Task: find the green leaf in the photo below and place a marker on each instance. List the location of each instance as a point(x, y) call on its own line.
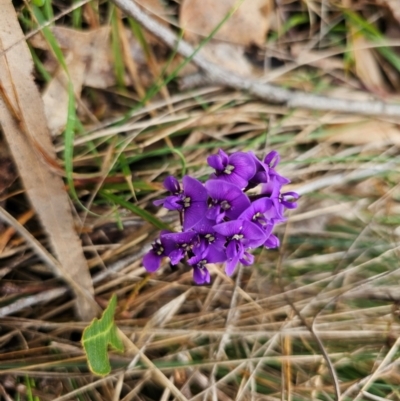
point(39, 3)
point(96, 338)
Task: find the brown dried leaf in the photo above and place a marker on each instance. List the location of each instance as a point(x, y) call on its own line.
point(24, 125)
point(228, 56)
point(55, 96)
point(322, 59)
point(378, 133)
point(155, 7)
point(248, 25)
point(88, 59)
point(366, 64)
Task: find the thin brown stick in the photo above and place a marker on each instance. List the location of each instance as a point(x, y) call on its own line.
point(270, 93)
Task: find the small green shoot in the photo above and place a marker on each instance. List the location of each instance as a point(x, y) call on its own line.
point(39, 3)
point(96, 338)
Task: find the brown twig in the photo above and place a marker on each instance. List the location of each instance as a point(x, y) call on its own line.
point(270, 93)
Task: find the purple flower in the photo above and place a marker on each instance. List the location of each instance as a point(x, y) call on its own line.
point(195, 202)
point(288, 199)
point(237, 168)
point(272, 242)
point(160, 249)
point(180, 243)
point(262, 212)
point(173, 202)
point(192, 200)
point(208, 239)
point(265, 214)
point(240, 235)
point(266, 173)
point(200, 273)
point(220, 222)
point(226, 200)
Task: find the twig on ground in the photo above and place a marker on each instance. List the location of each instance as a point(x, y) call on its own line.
point(271, 93)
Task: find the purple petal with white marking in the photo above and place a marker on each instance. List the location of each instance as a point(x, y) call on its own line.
point(272, 159)
point(247, 259)
point(194, 189)
point(176, 256)
point(201, 275)
point(288, 199)
point(172, 184)
point(220, 191)
point(244, 165)
point(215, 162)
point(229, 228)
point(253, 235)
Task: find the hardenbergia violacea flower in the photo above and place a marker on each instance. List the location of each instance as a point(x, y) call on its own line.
point(221, 221)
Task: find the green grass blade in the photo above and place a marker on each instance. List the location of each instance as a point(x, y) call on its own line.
point(145, 215)
point(119, 66)
point(375, 36)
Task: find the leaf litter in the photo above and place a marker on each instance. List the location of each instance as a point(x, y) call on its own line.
point(337, 265)
point(25, 130)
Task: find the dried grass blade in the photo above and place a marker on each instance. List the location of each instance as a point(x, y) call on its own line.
point(29, 141)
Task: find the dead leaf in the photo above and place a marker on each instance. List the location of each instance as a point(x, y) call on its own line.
point(24, 126)
point(228, 56)
point(55, 97)
point(88, 59)
point(378, 133)
point(157, 9)
point(366, 65)
point(248, 25)
point(322, 59)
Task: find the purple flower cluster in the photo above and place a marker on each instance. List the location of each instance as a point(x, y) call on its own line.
point(221, 223)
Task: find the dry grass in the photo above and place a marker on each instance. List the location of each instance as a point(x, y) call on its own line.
point(322, 311)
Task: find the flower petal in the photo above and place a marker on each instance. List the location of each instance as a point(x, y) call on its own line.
point(288, 199)
point(229, 228)
point(231, 266)
point(215, 162)
point(220, 191)
point(244, 165)
point(247, 259)
point(201, 275)
point(272, 242)
point(258, 206)
point(176, 256)
point(254, 235)
point(232, 250)
point(215, 255)
point(172, 184)
point(194, 189)
point(272, 159)
point(180, 238)
point(173, 202)
point(193, 214)
point(151, 261)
